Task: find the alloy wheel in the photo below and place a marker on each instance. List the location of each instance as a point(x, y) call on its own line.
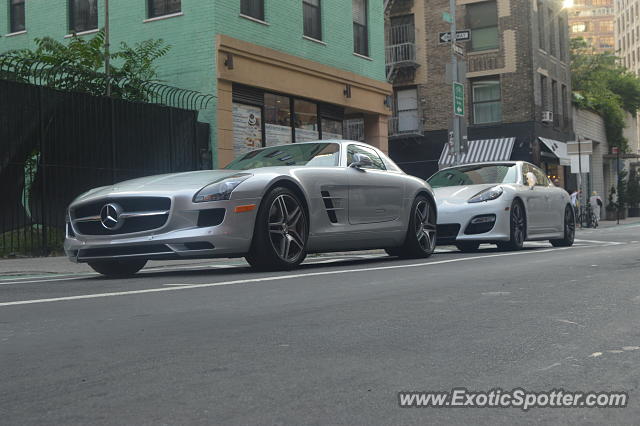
point(517, 224)
point(287, 228)
point(425, 226)
point(569, 225)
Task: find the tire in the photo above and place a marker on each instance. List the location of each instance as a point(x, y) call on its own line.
point(118, 268)
point(468, 246)
point(569, 229)
point(280, 234)
point(420, 241)
point(517, 228)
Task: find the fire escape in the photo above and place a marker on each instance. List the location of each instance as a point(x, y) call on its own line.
point(401, 64)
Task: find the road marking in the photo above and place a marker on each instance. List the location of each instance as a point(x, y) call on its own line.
point(276, 278)
point(608, 243)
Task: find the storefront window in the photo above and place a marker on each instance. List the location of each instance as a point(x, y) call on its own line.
point(331, 129)
point(277, 126)
point(306, 121)
point(247, 128)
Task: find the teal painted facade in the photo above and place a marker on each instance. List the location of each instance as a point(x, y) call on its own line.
point(190, 63)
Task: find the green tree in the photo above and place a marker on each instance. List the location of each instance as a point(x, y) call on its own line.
point(80, 66)
point(633, 188)
point(602, 85)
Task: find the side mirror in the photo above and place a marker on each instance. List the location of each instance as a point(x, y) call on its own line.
point(360, 161)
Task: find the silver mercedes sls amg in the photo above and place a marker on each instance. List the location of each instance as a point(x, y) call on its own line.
point(272, 206)
point(503, 203)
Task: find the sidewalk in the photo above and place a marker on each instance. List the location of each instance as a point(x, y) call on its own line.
point(612, 223)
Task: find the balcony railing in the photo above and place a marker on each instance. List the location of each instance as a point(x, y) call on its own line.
point(401, 45)
point(405, 126)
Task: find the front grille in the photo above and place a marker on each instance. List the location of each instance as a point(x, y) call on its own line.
point(447, 233)
point(128, 205)
point(124, 251)
point(132, 224)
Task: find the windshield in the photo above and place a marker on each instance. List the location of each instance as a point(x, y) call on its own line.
point(307, 154)
point(475, 175)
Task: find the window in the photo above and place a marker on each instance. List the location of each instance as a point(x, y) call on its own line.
point(163, 7)
point(579, 27)
point(565, 106)
point(277, 111)
point(359, 149)
point(83, 15)
point(561, 38)
point(554, 100)
point(253, 8)
point(541, 26)
point(311, 16)
point(17, 15)
point(487, 107)
point(606, 27)
point(483, 22)
point(552, 33)
point(407, 110)
point(360, 30)
point(331, 128)
point(306, 121)
point(544, 99)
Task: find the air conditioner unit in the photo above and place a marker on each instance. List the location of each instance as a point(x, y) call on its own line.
point(547, 116)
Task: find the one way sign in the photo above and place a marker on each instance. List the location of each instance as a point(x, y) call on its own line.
point(462, 35)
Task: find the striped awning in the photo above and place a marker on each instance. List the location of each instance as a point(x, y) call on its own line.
point(480, 151)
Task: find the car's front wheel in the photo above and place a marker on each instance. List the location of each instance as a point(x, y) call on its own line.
point(569, 229)
point(118, 268)
point(281, 230)
point(420, 241)
point(518, 228)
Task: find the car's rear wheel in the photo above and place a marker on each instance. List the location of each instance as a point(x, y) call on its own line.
point(468, 246)
point(281, 230)
point(518, 228)
point(117, 268)
point(569, 229)
point(420, 241)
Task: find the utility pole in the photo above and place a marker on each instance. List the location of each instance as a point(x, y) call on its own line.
point(458, 123)
point(107, 55)
point(456, 79)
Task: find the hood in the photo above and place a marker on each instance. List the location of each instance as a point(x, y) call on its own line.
point(459, 194)
point(168, 182)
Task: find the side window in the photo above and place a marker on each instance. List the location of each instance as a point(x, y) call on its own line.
point(375, 158)
point(529, 177)
point(541, 178)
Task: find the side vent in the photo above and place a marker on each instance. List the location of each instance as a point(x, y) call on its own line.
point(328, 204)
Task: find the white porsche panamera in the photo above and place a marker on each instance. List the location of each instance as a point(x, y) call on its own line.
point(503, 203)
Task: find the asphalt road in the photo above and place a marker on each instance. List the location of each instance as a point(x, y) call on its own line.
point(331, 343)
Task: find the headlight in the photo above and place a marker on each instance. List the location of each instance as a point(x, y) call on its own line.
point(487, 195)
point(220, 189)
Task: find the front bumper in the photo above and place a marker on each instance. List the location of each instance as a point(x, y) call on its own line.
point(454, 220)
point(179, 238)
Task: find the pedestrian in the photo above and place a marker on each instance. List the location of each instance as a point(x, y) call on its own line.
point(575, 202)
point(596, 204)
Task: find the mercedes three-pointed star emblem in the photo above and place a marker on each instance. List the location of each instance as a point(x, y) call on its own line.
point(110, 217)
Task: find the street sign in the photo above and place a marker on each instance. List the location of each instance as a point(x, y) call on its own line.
point(585, 147)
point(446, 17)
point(457, 49)
point(615, 150)
point(462, 35)
point(458, 98)
point(462, 71)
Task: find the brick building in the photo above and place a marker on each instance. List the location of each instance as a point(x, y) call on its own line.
point(517, 82)
point(281, 71)
point(593, 20)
